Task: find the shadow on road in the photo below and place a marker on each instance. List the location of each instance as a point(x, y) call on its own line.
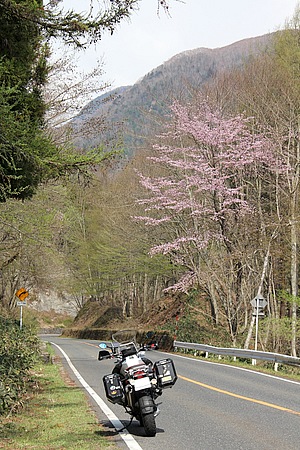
point(133, 428)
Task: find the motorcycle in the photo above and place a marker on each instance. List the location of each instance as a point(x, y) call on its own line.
point(136, 382)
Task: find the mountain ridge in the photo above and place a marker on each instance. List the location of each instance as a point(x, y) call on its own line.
point(134, 110)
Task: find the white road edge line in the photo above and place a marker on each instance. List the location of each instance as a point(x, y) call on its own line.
point(127, 437)
point(254, 372)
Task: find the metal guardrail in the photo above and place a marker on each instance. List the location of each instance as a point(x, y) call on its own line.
point(240, 353)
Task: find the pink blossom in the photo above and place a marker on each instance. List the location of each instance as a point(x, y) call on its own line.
point(207, 186)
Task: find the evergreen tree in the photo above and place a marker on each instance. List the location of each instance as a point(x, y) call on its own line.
point(27, 155)
point(23, 71)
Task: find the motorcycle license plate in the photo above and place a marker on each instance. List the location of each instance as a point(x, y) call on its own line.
point(141, 383)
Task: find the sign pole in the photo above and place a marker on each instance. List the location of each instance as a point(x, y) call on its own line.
point(258, 304)
point(22, 294)
point(21, 317)
point(256, 329)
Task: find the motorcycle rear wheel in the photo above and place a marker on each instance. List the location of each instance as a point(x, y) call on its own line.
point(148, 421)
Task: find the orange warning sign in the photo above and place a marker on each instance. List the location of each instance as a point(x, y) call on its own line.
point(22, 294)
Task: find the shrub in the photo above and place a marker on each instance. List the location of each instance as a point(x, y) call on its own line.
point(19, 351)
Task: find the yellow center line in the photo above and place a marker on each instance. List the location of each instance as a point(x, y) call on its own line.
point(92, 345)
point(231, 394)
point(248, 399)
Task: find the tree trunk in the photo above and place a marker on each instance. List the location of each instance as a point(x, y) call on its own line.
point(250, 331)
point(213, 303)
point(294, 244)
point(294, 272)
point(260, 288)
point(145, 293)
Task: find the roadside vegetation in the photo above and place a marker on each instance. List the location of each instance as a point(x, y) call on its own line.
point(19, 351)
point(55, 415)
point(40, 408)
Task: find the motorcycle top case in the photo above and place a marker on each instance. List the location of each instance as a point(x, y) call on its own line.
point(113, 387)
point(165, 373)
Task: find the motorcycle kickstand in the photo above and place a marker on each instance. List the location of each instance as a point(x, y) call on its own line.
point(125, 426)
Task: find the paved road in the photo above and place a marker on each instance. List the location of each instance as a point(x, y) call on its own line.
point(212, 406)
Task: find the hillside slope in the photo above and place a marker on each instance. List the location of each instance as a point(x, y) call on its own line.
point(136, 110)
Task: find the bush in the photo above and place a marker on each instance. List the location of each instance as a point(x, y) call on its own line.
point(19, 351)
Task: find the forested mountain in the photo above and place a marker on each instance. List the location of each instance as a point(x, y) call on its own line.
point(207, 217)
point(214, 202)
point(135, 112)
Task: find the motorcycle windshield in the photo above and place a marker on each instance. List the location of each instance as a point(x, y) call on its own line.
point(124, 336)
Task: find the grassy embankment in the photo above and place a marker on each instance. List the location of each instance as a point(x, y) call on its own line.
point(55, 416)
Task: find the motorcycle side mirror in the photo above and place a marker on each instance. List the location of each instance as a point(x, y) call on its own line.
point(104, 354)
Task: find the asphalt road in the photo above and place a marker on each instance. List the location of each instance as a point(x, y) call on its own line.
point(212, 406)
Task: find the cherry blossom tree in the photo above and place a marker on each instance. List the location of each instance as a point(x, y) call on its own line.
point(205, 202)
point(269, 88)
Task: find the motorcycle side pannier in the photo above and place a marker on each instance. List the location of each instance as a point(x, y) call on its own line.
point(165, 373)
point(113, 387)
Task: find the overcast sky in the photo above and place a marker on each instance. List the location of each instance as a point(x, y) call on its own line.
point(147, 40)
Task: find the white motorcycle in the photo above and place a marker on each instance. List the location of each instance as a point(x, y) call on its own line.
point(135, 382)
